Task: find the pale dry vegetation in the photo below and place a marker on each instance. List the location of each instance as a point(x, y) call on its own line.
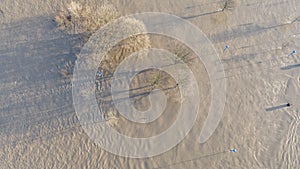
point(228, 5)
point(85, 20)
point(81, 19)
point(182, 54)
point(76, 18)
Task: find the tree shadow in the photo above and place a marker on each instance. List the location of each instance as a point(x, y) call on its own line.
point(245, 30)
point(198, 158)
point(143, 93)
point(33, 92)
point(204, 14)
point(241, 30)
point(277, 107)
point(290, 67)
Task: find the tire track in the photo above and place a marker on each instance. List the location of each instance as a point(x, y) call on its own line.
point(18, 98)
point(289, 153)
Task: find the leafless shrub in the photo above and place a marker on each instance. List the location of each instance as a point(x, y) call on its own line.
point(76, 18)
point(156, 79)
point(228, 5)
point(182, 53)
point(64, 73)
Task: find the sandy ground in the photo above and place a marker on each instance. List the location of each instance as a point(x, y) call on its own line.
point(39, 127)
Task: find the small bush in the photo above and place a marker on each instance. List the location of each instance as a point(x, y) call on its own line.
point(64, 73)
point(81, 19)
point(157, 79)
point(76, 18)
point(228, 4)
point(182, 53)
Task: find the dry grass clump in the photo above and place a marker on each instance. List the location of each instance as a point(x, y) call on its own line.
point(117, 54)
point(125, 47)
point(81, 19)
point(228, 5)
point(128, 26)
point(182, 53)
point(135, 42)
point(76, 18)
point(64, 73)
point(157, 79)
point(122, 50)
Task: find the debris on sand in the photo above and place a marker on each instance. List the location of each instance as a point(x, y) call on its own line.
point(64, 73)
point(1, 12)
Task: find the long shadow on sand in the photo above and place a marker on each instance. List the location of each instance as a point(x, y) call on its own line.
point(204, 14)
point(277, 107)
point(244, 30)
point(32, 91)
point(290, 67)
point(194, 159)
